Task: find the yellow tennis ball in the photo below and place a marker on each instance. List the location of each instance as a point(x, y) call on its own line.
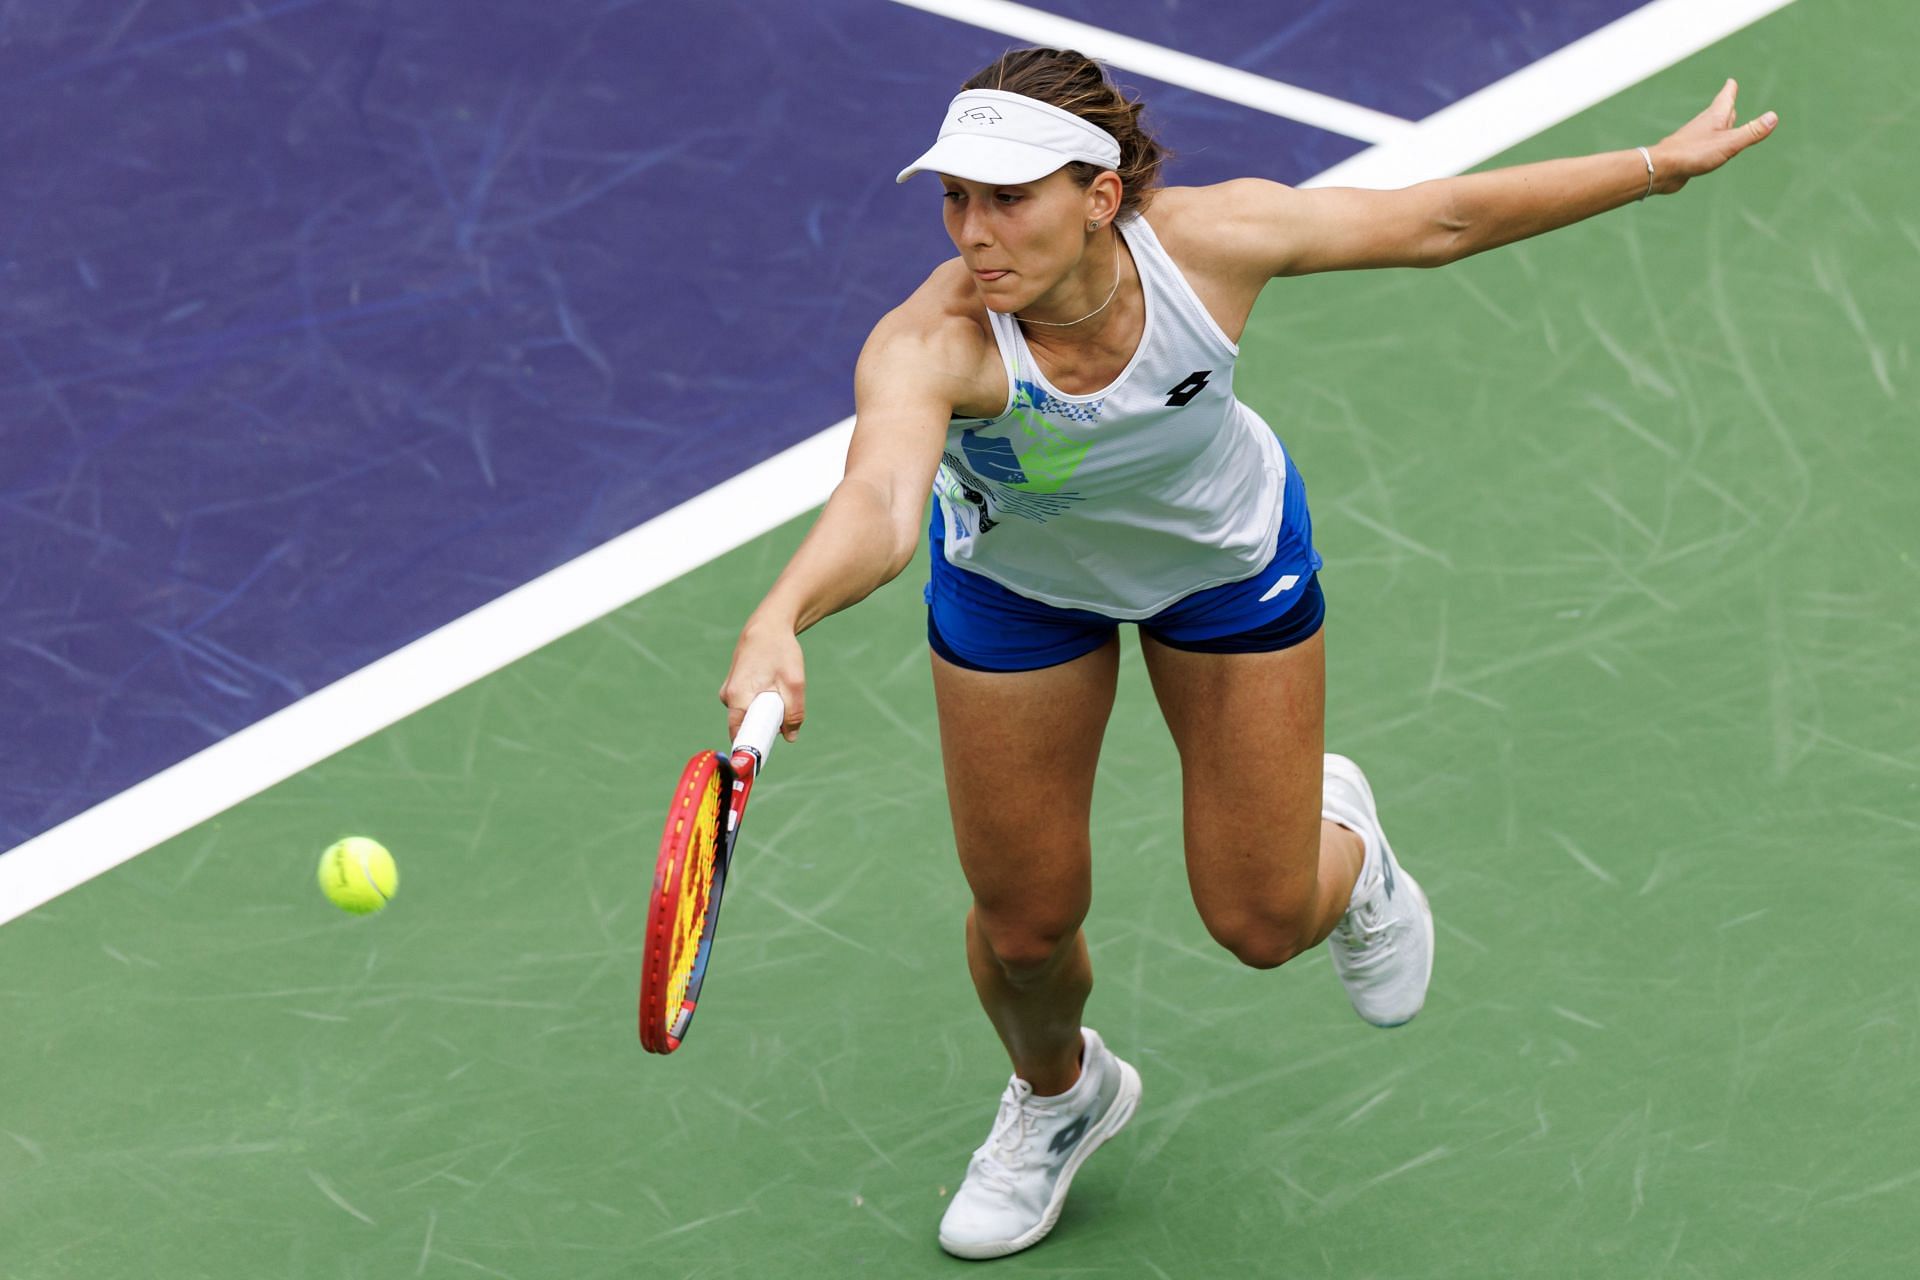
point(358, 875)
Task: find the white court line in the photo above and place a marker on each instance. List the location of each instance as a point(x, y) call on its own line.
point(755, 501)
point(1559, 86)
point(1170, 66)
point(437, 664)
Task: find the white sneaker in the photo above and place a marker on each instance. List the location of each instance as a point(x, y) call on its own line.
point(1017, 1181)
point(1383, 947)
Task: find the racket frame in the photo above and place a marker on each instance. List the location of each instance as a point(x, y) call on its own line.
point(752, 744)
point(657, 1033)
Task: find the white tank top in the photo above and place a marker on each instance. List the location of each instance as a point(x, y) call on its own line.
point(1125, 500)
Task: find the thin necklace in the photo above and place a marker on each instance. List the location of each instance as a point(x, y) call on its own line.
point(1111, 294)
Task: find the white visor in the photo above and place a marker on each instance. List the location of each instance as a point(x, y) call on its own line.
point(1008, 138)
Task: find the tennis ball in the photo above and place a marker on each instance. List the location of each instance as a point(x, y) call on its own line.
point(358, 875)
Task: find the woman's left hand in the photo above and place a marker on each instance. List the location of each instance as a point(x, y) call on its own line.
point(1706, 142)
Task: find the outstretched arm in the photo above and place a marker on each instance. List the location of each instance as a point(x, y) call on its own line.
point(868, 532)
point(1285, 231)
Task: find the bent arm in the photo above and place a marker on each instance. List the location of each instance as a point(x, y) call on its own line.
point(1279, 230)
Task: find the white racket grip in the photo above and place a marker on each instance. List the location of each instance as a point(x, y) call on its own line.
point(761, 726)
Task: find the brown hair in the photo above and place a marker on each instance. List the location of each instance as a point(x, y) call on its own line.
point(1074, 82)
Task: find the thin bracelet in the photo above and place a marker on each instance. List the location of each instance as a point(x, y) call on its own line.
point(1648, 157)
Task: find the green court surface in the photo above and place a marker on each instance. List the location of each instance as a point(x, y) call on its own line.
point(1621, 534)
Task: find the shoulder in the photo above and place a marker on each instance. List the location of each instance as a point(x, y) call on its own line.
point(1227, 240)
point(940, 338)
point(945, 312)
point(1228, 227)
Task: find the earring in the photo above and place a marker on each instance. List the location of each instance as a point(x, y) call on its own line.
point(1093, 226)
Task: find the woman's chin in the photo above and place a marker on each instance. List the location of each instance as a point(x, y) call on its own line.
point(1000, 294)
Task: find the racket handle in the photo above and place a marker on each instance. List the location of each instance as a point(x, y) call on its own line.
point(761, 726)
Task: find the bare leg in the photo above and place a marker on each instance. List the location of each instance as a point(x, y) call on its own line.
point(1037, 1016)
point(1270, 876)
point(1019, 750)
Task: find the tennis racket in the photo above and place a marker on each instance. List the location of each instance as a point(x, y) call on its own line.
point(696, 851)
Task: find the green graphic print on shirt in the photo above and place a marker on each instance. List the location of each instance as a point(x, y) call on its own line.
point(1025, 474)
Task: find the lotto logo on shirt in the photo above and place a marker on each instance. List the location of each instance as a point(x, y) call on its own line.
point(1194, 383)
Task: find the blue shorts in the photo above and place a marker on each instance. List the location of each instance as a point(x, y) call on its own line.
point(974, 622)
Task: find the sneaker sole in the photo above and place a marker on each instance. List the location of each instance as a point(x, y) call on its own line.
point(1125, 1100)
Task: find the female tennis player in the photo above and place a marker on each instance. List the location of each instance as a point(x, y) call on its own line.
point(1064, 388)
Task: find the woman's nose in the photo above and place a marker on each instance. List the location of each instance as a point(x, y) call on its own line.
point(973, 229)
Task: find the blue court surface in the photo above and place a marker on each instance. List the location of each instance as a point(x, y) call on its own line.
point(327, 321)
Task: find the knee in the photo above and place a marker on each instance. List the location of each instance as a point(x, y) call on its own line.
point(1262, 941)
point(1028, 946)
point(1262, 906)
point(1267, 949)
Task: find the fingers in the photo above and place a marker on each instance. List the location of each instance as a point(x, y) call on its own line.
point(1716, 135)
point(766, 657)
point(1717, 114)
point(793, 697)
point(1755, 130)
point(1725, 112)
point(738, 697)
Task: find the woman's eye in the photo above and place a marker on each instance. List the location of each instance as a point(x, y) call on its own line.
point(1007, 197)
point(952, 196)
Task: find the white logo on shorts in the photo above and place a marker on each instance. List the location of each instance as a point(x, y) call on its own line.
point(1285, 584)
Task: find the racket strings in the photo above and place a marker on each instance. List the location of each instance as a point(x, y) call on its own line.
point(696, 881)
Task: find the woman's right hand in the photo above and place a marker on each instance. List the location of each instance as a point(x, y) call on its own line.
point(767, 656)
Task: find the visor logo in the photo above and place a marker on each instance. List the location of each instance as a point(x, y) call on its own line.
point(978, 115)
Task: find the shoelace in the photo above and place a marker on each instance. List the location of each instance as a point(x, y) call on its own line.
point(998, 1160)
point(1361, 930)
